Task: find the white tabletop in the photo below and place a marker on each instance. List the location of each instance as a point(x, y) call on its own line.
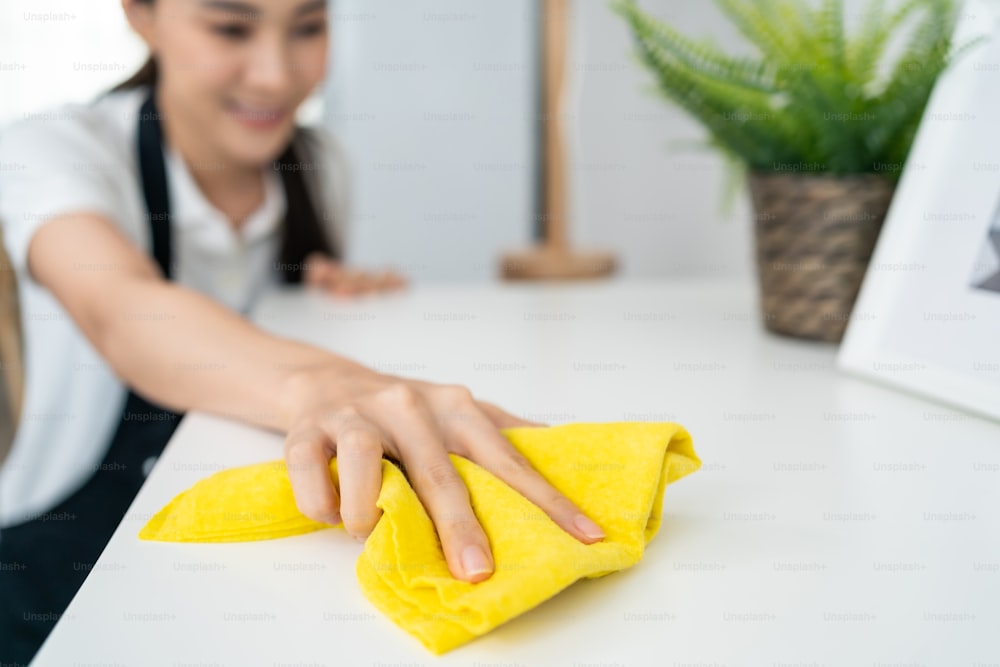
point(834, 522)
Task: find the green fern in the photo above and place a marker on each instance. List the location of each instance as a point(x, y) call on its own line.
point(814, 99)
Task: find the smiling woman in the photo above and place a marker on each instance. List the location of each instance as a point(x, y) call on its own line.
point(201, 93)
point(141, 226)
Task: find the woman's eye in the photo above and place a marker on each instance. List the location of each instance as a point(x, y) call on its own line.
point(311, 29)
point(232, 30)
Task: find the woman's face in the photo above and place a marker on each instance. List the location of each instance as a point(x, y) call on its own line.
point(236, 70)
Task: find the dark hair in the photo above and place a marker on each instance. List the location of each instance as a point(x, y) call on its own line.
point(147, 75)
point(301, 232)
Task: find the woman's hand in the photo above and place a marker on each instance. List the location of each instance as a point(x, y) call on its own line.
point(357, 415)
point(335, 278)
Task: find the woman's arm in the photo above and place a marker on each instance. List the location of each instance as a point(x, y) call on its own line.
point(186, 352)
point(174, 345)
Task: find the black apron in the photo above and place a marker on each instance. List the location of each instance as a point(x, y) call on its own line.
point(44, 561)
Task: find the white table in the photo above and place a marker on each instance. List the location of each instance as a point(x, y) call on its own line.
point(834, 522)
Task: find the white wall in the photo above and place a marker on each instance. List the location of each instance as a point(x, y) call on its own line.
point(434, 102)
point(58, 51)
point(657, 204)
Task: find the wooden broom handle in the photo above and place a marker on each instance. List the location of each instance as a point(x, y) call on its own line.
point(555, 26)
point(554, 259)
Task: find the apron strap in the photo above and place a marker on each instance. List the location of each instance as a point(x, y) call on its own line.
point(154, 182)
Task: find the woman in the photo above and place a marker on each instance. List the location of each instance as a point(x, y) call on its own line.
point(139, 225)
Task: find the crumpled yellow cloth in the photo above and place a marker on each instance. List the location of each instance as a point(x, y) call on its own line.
point(615, 472)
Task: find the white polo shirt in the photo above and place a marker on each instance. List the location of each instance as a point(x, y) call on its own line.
point(84, 158)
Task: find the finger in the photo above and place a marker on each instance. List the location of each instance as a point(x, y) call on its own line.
point(438, 485)
point(489, 449)
point(390, 279)
point(324, 268)
point(359, 466)
point(381, 282)
point(317, 270)
point(370, 283)
point(503, 419)
point(348, 282)
point(307, 458)
point(444, 494)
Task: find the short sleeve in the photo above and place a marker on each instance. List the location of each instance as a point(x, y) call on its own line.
point(331, 181)
point(51, 165)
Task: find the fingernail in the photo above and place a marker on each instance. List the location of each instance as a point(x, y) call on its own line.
point(474, 561)
point(588, 527)
point(334, 519)
point(360, 539)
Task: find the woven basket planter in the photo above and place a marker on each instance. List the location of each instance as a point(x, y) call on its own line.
point(815, 235)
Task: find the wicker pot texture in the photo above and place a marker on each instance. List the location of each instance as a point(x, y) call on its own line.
point(815, 234)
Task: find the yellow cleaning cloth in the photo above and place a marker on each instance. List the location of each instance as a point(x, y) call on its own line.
point(615, 472)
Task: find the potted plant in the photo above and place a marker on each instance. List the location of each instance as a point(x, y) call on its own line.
point(821, 121)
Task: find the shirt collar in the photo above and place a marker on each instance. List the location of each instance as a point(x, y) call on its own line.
point(191, 210)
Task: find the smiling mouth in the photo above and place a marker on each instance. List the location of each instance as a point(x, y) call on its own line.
point(258, 116)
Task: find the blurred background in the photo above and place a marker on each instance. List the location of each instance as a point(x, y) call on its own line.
point(437, 104)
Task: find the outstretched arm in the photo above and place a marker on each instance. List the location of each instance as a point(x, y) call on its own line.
point(186, 352)
point(174, 345)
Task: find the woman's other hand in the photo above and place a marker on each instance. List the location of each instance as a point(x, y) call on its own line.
point(335, 278)
point(358, 415)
